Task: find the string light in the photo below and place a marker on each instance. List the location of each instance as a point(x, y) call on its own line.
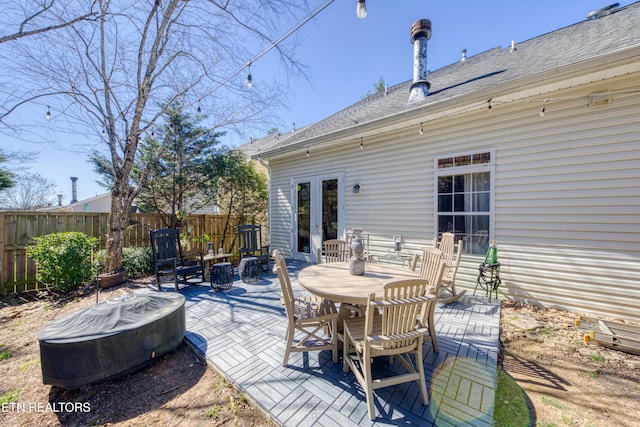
point(48, 113)
point(361, 143)
point(272, 45)
point(421, 129)
point(249, 81)
point(361, 9)
point(307, 151)
point(199, 108)
point(489, 103)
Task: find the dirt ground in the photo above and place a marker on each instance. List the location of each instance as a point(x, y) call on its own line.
point(178, 389)
point(567, 382)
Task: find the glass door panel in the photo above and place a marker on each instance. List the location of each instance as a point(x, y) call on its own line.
point(317, 214)
point(303, 217)
point(329, 209)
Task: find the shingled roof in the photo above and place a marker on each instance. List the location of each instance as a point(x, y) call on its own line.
point(498, 70)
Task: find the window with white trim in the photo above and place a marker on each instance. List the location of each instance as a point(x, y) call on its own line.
point(464, 198)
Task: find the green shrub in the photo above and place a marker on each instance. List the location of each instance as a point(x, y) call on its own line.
point(63, 259)
point(138, 261)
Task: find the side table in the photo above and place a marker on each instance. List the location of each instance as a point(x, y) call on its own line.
point(212, 258)
point(221, 276)
point(249, 269)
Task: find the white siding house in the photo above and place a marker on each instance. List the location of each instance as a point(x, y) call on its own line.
point(535, 146)
point(99, 203)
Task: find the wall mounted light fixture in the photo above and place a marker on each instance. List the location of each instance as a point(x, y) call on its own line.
point(356, 188)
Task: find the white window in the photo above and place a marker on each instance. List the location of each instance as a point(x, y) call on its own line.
point(464, 188)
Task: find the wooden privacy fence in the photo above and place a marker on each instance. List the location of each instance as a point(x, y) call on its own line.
point(18, 228)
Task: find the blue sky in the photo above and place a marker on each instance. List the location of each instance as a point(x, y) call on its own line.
point(346, 57)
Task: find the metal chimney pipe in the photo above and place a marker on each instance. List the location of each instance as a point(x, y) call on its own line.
point(74, 189)
point(420, 33)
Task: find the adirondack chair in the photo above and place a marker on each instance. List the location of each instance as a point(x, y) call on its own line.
point(169, 259)
point(250, 244)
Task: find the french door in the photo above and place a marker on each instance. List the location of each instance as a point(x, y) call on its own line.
point(318, 213)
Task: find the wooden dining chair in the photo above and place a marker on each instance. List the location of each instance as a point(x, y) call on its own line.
point(413, 262)
point(334, 250)
point(432, 269)
point(392, 328)
point(452, 253)
point(311, 320)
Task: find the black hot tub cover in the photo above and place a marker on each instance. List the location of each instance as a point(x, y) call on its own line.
point(111, 339)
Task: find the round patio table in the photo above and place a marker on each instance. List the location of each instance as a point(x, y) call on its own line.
point(334, 282)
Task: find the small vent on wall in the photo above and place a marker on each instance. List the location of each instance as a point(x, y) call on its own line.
point(598, 99)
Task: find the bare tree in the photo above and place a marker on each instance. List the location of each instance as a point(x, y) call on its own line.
point(31, 191)
point(112, 75)
point(25, 18)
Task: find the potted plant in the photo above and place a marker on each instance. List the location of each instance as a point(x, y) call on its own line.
point(106, 280)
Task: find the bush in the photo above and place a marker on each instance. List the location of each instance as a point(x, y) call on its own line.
point(63, 259)
point(138, 261)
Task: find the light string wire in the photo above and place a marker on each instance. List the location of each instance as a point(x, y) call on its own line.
point(270, 46)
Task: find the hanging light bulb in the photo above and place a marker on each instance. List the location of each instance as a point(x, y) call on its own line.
point(249, 81)
point(361, 9)
point(199, 108)
point(307, 151)
point(421, 129)
point(361, 143)
point(48, 114)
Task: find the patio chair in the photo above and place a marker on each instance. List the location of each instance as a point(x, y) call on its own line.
point(390, 328)
point(250, 244)
point(452, 254)
point(432, 268)
point(169, 259)
point(334, 250)
point(413, 262)
point(312, 319)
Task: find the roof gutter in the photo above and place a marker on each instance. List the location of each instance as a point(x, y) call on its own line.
point(620, 62)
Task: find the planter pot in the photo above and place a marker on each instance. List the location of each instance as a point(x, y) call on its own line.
point(107, 280)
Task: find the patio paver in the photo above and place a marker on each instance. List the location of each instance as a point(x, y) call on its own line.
point(241, 332)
